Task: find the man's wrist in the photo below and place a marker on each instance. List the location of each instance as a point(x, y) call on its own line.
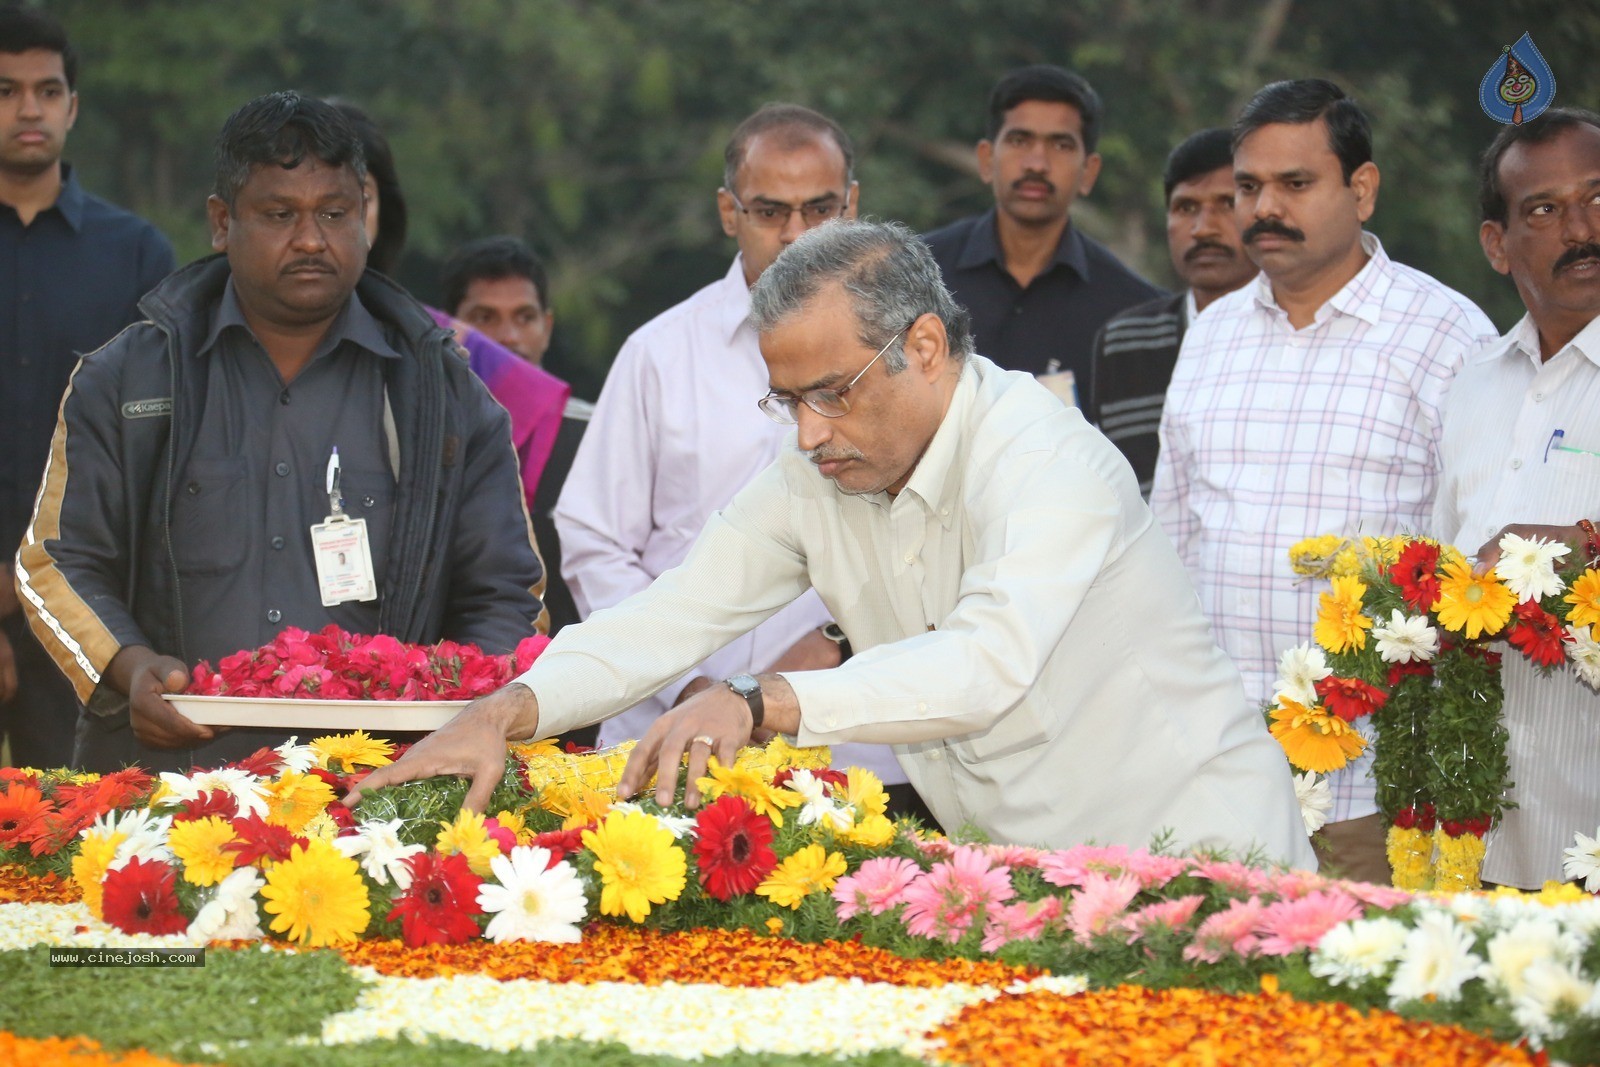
point(516, 714)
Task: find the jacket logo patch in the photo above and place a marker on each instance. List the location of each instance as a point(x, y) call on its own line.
point(147, 409)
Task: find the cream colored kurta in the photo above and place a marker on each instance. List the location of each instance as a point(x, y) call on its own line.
point(1027, 639)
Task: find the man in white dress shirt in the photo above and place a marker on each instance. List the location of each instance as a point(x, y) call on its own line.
point(1306, 402)
point(676, 432)
point(1522, 446)
point(1026, 637)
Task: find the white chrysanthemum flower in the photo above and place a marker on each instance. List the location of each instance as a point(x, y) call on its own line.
point(1511, 951)
point(1353, 952)
point(1584, 652)
point(818, 806)
point(1528, 566)
point(1316, 800)
point(295, 756)
point(1299, 670)
point(1550, 992)
point(1583, 861)
point(679, 826)
point(532, 900)
point(1436, 960)
point(246, 789)
point(231, 913)
point(1406, 638)
point(382, 853)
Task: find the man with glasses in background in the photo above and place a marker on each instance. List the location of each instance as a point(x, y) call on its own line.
point(676, 432)
point(1028, 641)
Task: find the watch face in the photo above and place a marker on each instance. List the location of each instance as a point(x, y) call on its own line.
point(744, 684)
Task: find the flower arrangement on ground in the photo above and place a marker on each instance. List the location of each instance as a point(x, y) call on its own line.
point(1403, 642)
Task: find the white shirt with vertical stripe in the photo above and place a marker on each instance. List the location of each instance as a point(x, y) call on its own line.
point(1502, 413)
point(1272, 434)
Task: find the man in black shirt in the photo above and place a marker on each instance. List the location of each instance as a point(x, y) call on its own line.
point(1135, 352)
point(72, 270)
point(1036, 287)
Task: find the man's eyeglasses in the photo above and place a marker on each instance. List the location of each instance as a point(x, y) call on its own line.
point(770, 215)
point(829, 403)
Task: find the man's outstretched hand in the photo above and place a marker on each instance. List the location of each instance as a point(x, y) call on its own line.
point(713, 721)
point(472, 744)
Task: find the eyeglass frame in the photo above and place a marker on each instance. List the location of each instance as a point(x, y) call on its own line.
point(789, 403)
point(789, 210)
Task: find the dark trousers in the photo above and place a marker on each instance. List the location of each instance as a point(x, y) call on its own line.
point(39, 720)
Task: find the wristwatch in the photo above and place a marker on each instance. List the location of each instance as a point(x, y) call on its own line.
point(833, 633)
point(746, 686)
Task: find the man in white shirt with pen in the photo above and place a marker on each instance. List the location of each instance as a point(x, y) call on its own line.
point(1522, 446)
point(1027, 639)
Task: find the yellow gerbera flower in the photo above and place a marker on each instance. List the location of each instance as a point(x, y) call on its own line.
point(585, 807)
point(352, 750)
point(295, 799)
point(90, 864)
point(637, 862)
point(763, 796)
point(198, 843)
point(864, 790)
point(513, 821)
point(1472, 604)
point(1313, 738)
point(316, 896)
point(1340, 624)
point(1585, 599)
point(874, 831)
point(777, 754)
point(468, 836)
point(811, 870)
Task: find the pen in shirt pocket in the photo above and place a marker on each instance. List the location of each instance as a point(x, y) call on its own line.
point(1555, 444)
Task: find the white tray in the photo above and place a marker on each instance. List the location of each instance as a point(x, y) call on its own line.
point(369, 715)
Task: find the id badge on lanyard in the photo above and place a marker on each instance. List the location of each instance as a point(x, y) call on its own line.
point(341, 548)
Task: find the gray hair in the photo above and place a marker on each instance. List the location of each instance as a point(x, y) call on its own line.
point(889, 274)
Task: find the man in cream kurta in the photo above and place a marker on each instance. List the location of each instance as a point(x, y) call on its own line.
point(1030, 644)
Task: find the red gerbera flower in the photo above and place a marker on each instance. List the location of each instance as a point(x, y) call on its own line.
point(1416, 572)
point(263, 763)
point(1351, 698)
point(437, 908)
point(1399, 671)
point(1538, 634)
point(734, 847)
point(22, 814)
point(140, 898)
point(561, 842)
point(211, 802)
point(259, 840)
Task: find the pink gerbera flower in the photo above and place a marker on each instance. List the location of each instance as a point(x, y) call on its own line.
point(1172, 914)
point(1014, 856)
point(879, 885)
point(1072, 866)
point(1374, 895)
point(1228, 932)
point(1155, 871)
point(944, 902)
point(1291, 925)
point(1100, 904)
point(1292, 885)
point(1023, 920)
point(1236, 876)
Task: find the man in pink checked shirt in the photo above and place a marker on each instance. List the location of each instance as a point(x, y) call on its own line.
point(1307, 402)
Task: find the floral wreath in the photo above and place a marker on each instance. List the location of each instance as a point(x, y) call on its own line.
point(1403, 641)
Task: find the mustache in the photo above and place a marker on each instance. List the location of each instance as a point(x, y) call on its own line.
point(1262, 227)
point(310, 262)
point(825, 455)
point(1577, 254)
point(1208, 246)
point(1034, 178)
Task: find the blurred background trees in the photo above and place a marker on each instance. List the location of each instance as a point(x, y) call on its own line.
point(594, 128)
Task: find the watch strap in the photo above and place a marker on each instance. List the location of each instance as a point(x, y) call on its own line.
point(835, 633)
point(748, 687)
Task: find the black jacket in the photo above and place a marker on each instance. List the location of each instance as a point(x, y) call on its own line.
point(97, 571)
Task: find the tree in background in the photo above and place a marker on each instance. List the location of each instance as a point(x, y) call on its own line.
point(595, 129)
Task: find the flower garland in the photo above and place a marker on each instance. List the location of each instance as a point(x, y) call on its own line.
point(1402, 642)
